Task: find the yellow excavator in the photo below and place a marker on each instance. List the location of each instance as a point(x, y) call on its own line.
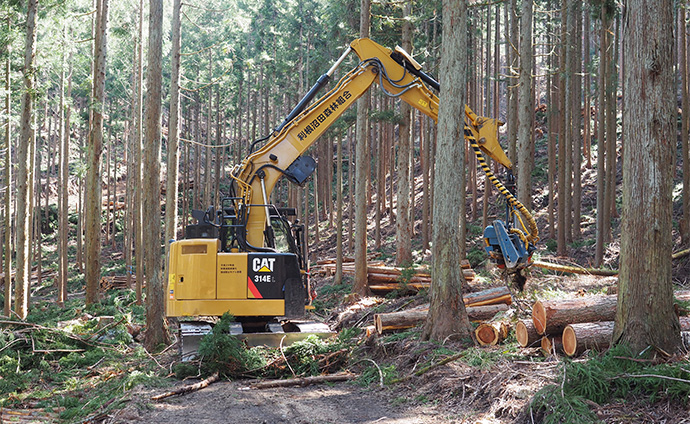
point(247, 258)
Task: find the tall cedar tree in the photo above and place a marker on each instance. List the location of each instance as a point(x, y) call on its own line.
point(155, 301)
point(645, 314)
point(24, 168)
point(174, 134)
point(95, 147)
point(7, 265)
point(447, 315)
point(361, 152)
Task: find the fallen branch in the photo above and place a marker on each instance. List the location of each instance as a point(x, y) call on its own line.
point(304, 381)
point(188, 389)
point(429, 367)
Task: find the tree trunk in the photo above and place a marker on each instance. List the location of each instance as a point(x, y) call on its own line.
point(562, 189)
point(173, 161)
point(685, 126)
point(525, 112)
point(645, 315)
point(94, 149)
point(155, 302)
point(7, 242)
point(24, 171)
point(447, 315)
point(338, 279)
point(403, 224)
point(138, 161)
point(360, 283)
point(602, 212)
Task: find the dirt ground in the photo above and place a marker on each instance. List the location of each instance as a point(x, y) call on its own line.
point(233, 402)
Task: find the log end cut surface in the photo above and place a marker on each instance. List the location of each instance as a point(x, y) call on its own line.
point(526, 334)
point(569, 341)
point(539, 317)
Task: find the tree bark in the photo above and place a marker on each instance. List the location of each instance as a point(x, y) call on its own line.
point(94, 149)
point(155, 302)
point(138, 161)
point(24, 171)
point(7, 242)
point(645, 315)
point(447, 315)
point(685, 124)
point(362, 149)
point(403, 224)
point(173, 160)
point(525, 112)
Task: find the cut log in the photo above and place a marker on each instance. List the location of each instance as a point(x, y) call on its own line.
point(578, 338)
point(551, 317)
point(490, 296)
point(304, 381)
point(407, 319)
point(491, 333)
point(526, 334)
point(551, 345)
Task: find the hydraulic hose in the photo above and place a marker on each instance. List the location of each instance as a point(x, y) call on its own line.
point(532, 232)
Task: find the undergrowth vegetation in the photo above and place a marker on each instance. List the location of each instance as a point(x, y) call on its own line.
point(221, 352)
point(615, 375)
point(80, 362)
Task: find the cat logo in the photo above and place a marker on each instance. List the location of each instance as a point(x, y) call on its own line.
point(263, 264)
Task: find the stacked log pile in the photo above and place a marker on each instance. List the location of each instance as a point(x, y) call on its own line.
point(574, 326)
point(384, 279)
point(481, 306)
point(113, 282)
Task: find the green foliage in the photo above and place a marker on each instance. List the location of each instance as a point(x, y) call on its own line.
point(476, 255)
point(551, 245)
point(224, 353)
point(302, 354)
point(371, 376)
point(613, 376)
point(331, 295)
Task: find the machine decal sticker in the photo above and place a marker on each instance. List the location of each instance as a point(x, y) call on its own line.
point(253, 291)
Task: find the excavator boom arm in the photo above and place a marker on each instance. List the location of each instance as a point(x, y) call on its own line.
point(398, 76)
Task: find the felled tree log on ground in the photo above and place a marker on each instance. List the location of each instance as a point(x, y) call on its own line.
point(552, 316)
point(407, 319)
point(303, 381)
point(587, 335)
point(526, 334)
point(491, 333)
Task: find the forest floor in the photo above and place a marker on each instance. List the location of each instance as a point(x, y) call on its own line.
point(498, 384)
